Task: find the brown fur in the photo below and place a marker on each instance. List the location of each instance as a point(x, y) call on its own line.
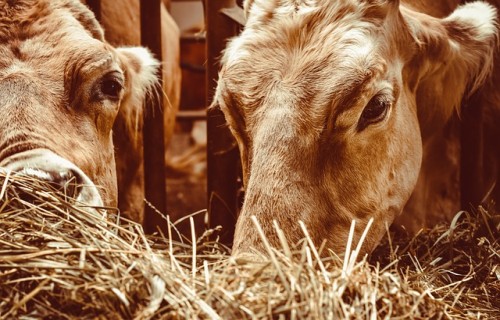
point(294, 85)
point(52, 58)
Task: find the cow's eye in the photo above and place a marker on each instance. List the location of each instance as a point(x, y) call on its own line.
point(111, 87)
point(375, 111)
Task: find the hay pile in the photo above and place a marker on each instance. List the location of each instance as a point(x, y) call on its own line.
point(60, 261)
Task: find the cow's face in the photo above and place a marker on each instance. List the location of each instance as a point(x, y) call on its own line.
point(61, 87)
point(321, 97)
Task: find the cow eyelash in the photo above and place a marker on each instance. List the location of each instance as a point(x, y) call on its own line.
point(375, 111)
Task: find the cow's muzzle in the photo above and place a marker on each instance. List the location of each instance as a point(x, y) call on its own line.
point(59, 172)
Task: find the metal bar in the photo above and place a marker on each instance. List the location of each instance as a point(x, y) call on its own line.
point(153, 130)
point(95, 6)
point(471, 153)
point(223, 161)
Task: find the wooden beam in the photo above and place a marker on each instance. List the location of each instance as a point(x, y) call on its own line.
point(153, 130)
point(223, 162)
point(471, 153)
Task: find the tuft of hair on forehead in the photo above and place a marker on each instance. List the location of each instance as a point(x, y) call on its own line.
point(294, 4)
point(268, 7)
point(315, 30)
point(303, 21)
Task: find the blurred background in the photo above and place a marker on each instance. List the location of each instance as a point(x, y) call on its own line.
point(186, 155)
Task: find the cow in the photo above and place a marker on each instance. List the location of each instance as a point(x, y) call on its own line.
point(121, 24)
point(343, 110)
point(62, 87)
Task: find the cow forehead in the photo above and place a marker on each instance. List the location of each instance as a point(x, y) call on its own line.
point(28, 18)
point(314, 25)
point(45, 40)
point(44, 20)
point(315, 55)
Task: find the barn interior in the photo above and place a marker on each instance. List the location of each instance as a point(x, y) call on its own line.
point(186, 155)
point(61, 262)
point(190, 189)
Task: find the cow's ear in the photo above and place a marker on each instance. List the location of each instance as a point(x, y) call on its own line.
point(454, 54)
point(141, 67)
point(472, 41)
point(141, 74)
point(141, 78)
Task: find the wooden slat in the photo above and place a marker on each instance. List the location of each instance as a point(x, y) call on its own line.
point(471, 153)
point(223, 157)
point(154, 145)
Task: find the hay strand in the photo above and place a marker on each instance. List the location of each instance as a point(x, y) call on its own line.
point(59, 260)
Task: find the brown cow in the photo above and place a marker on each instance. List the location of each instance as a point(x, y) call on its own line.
point(337, 105)
point(62, 88)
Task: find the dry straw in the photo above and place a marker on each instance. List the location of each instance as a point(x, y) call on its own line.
point(59, 260)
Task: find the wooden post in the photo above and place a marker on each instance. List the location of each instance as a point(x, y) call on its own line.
point(153, 131)
point(471, 153)
point(223, 162)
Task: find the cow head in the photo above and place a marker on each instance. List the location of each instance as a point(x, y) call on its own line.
point(61, 87)
point(326, 100)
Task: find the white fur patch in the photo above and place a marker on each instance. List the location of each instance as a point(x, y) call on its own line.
point(478, 14)
point(40, 163)
point(365, 43)
point(235, 51)
point(149, 65)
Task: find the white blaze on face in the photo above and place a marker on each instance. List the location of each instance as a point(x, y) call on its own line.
point(365, 45)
